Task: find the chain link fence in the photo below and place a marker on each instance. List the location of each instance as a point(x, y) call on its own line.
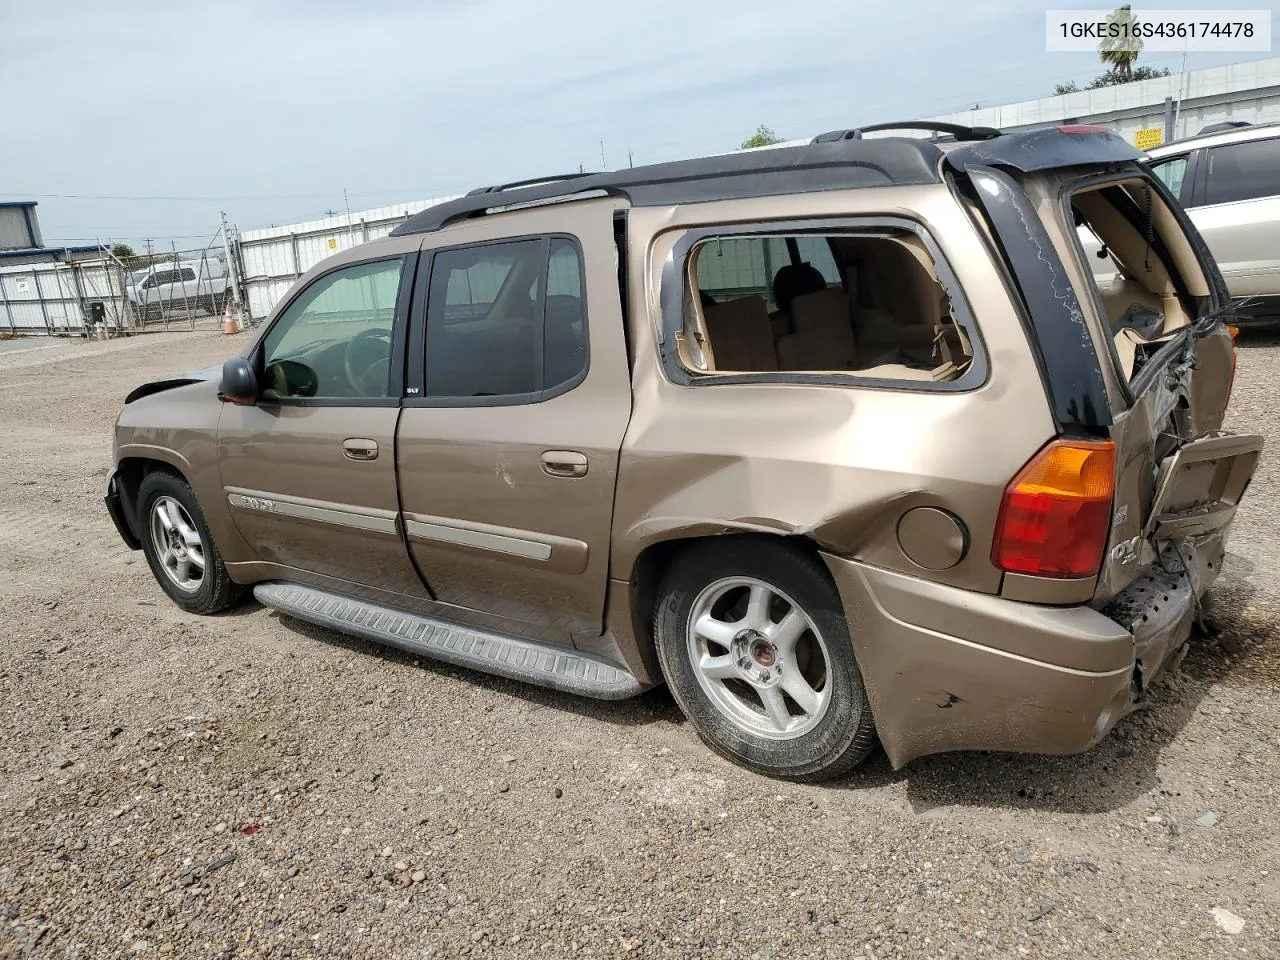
point(91, 292)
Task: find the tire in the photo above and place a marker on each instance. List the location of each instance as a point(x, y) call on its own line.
point(176, 541)
point(817, 735)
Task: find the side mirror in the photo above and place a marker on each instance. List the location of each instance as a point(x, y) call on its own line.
point(239, 383)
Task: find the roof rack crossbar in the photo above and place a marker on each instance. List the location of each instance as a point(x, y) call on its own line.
point(531, 182)
point(959, 131)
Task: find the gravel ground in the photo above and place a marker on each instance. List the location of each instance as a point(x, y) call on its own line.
point(247, 785)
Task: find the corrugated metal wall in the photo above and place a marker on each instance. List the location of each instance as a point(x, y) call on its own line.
point(1240, 91)
point(274, 257)
point(48, 297)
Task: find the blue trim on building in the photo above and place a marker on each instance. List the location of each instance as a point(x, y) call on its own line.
point(55, 252)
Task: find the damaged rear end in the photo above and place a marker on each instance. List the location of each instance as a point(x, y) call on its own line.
point(1128, 510)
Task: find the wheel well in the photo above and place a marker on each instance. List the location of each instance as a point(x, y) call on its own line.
point(130, 473)
point(654, 560)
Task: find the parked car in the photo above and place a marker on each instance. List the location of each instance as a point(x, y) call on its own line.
point(1230, 183)
point(839, 441)
point(198, 284)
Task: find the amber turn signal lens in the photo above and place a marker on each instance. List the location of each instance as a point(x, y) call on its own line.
point(1056, 513)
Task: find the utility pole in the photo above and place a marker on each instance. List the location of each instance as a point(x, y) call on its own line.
point(233, 275)
point(630, 160)
point(350, 230)
point(603, 164)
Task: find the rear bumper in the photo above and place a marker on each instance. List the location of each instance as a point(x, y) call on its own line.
point(115, 507)
point(948, 669)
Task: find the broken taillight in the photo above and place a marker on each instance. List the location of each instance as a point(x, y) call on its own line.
point(1056, 512)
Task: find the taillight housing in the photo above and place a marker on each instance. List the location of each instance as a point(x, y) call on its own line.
point(1056, 513)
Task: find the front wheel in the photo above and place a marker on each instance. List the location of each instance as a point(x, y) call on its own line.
point(756, 650)
point(178, 547)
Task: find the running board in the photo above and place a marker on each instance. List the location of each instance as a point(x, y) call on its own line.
point(547, 666)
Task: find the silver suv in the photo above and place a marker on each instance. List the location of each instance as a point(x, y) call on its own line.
point(1230, 184)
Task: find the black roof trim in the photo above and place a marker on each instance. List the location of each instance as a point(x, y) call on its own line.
point(956, 130)
point(1045, 148)
point(810, 168)
point(839, 160)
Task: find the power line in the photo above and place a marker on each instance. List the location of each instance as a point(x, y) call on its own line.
point(176, 199)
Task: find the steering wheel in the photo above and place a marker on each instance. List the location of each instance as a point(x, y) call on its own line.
point(367, 361)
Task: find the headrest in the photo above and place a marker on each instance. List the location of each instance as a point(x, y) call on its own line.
point(795, 280)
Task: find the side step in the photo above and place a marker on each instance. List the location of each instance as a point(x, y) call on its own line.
point(556, 667)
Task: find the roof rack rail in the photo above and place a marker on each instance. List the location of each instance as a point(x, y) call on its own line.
point(959, 131)
point(531, 182)
point(748, 173)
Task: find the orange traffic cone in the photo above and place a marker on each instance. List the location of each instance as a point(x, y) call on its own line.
point(231, 323)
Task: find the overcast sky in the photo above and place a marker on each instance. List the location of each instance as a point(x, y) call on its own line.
point(270, 109)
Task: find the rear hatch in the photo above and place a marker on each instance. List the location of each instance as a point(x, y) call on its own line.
point(1139, 353)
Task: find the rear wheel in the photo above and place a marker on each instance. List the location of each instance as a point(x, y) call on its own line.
point(757, 653)
point(178, 547)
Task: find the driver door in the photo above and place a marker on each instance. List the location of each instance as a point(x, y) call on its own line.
point(310, 470)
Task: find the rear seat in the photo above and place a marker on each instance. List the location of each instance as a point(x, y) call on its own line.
point(823, 337)
point(741, 337)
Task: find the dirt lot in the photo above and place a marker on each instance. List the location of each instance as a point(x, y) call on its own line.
point(247, 785)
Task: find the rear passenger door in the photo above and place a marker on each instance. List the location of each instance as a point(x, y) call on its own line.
point(508, 453)
point(1235, 205)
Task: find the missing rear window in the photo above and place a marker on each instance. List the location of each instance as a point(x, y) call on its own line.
point(862, 304)
point(1147, 280)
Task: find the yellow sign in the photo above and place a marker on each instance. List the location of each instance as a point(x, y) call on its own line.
point(1148, 137)
point(333, 242)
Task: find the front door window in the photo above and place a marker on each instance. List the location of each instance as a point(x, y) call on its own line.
point(334, 340)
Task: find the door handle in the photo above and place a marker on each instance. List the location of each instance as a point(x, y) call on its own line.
point(360, 448)
point(564, 463)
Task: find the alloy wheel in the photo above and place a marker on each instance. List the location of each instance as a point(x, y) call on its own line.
point(759, 657)
point(177, 544)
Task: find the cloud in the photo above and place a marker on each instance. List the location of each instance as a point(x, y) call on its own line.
point(401, 101)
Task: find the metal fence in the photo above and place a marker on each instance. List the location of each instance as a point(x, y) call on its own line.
point(57, 297)
point(271, 259)
point(87, 295)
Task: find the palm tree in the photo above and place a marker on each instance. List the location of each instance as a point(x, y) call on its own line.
point(1118, 53)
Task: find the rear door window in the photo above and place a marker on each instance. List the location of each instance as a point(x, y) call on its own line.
point(1243, 171)
point(505, 320)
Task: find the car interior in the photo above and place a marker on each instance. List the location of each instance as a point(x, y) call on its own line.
point(1150, 284)
point(877, 309)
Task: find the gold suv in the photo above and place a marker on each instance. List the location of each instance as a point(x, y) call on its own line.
point(842, 442)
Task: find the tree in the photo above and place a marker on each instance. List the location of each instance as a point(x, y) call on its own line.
point(1118, 52)
point(122, 251)
point(763, 137)
point(1069, 87)
point(1112, 77)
